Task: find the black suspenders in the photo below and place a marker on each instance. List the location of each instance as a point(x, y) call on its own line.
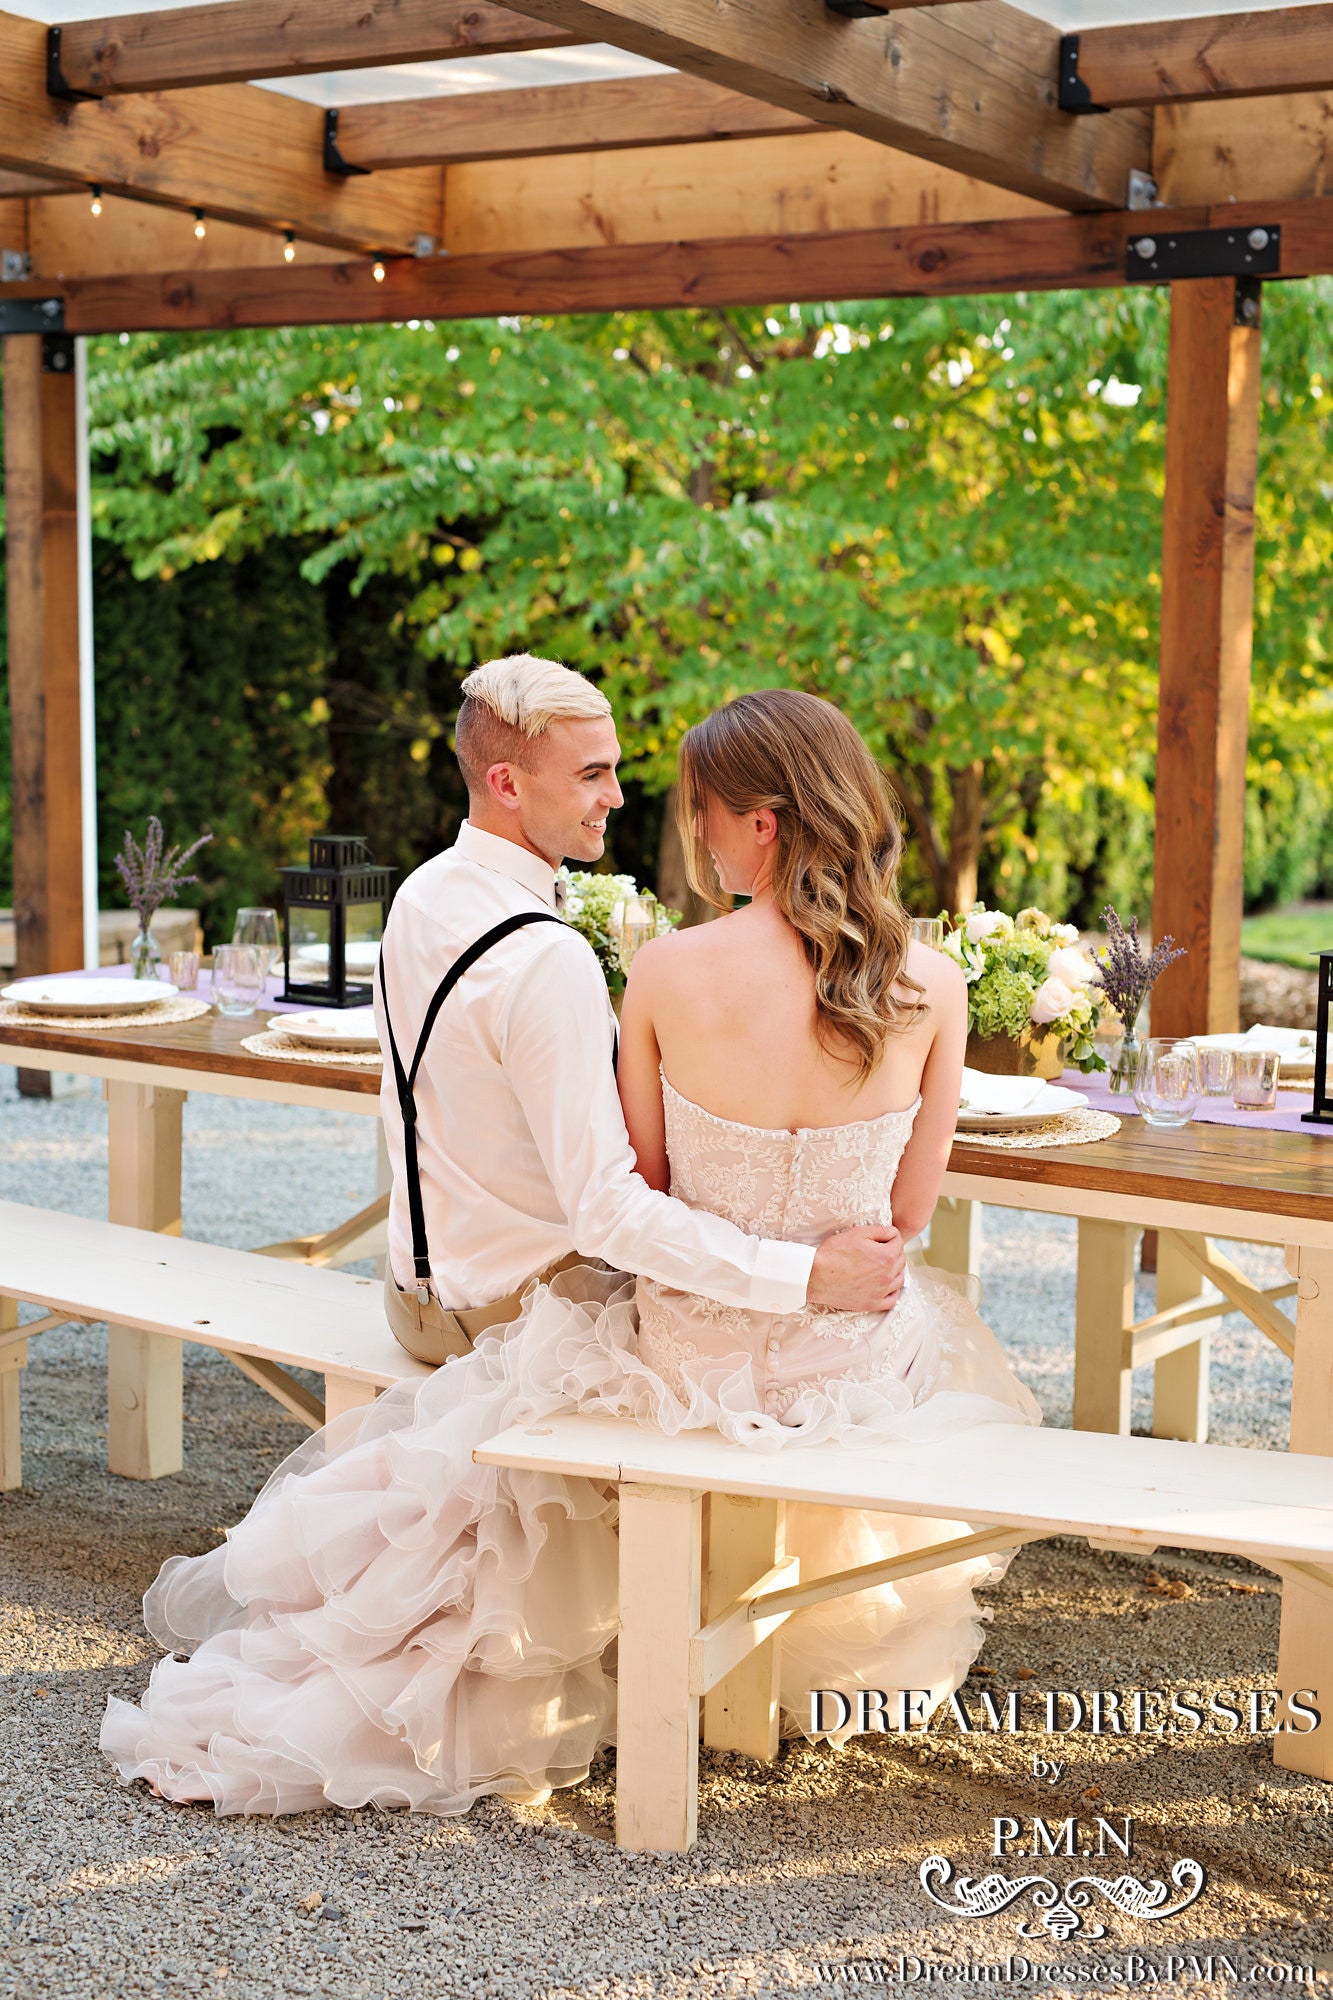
point(405, 1079)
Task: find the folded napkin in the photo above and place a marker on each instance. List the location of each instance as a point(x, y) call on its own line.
point(1286, 1041)
point(981, 1092)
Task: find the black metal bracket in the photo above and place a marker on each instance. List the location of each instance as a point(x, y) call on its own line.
point(56, 85)
point(57, 354)
point(334, 163)
point(859, 10)
point(32, 315)
point(1253, 252)
point(1074, 93)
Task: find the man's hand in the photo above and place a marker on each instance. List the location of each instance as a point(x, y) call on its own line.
point(859, 1270)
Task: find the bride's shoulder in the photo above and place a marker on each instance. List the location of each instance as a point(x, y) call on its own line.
point(939, 976)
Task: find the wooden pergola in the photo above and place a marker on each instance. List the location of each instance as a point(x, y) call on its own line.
point(683, 153)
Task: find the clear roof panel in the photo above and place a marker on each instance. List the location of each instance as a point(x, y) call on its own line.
point(582, 65)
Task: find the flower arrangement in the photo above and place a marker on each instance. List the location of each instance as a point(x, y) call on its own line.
point(1028, 984)
point(595, 905)
point(1128, 974)
point(150, 874)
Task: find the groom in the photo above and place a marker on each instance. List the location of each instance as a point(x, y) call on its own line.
point(509, 1152)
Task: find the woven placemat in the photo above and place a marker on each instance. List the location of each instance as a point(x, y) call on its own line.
point(1072, 1128)
point(279, 1049)
point(161, 1014)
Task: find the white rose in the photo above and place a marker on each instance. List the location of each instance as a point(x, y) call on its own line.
point(1051, 1000)
point(1067, 933)
point(1071, 965)
point(982, 924)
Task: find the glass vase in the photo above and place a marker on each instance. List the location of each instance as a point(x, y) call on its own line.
point(145, 958)
point(1125, 1063)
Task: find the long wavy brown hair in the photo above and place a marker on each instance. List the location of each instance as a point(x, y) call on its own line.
point(837, 853)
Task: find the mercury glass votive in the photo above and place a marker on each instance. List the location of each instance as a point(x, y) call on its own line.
point(1256, 1080)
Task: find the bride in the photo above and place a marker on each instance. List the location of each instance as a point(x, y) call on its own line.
point(393, 1624)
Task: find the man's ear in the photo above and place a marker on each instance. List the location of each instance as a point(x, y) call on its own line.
point(502, 788)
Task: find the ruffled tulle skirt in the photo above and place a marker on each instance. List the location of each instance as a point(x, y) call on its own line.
point(393, 1624)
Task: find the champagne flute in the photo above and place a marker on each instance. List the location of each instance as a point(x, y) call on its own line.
point(637, 924)
point(258, 928)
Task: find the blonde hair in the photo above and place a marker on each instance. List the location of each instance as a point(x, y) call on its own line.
point(509, 703)
point(837, 853)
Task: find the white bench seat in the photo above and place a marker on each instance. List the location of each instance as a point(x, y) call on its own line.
point(266, 1313)
point(1013, 1485)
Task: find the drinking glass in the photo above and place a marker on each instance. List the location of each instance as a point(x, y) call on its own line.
point(1166, 1083)
point(637, 924)
point(928, 930)
point(1216, 1067)
point(237, 978)
point(259, 929)
point(183, 969)
point(1256, 1079)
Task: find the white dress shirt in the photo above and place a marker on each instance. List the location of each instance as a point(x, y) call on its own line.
point(523, 1150)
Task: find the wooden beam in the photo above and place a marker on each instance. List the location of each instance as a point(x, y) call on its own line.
point(1212, 431)
point(605, 116)
point(21, 186)
point(42, 589)
point(1235, 151)
point(970, 87)
point(242, 154)
point(1030, 253)
point(1223, 55)
point(243, 39)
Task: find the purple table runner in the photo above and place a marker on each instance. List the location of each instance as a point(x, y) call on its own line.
point(1211, 1110)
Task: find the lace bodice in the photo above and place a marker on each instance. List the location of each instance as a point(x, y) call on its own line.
point(799, 1185)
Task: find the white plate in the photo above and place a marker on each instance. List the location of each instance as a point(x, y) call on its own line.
point(359, 957)
point(89, 996)
point(329, 1028)
point(1055, 1100)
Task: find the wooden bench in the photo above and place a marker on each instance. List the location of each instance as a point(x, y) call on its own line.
point(1013, 1484)
point(265, 1313)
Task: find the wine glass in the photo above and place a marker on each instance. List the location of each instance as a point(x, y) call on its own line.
point(237, 978)
point(638, 923)
point(928, 930)
point(259, 929)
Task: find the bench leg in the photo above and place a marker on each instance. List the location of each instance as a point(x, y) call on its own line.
point(341, 1393)
point(12, 1362)
point(1305, 1647)
point(745, 1540)
point(1180, 1379)
point(144, 1369)
point(657, 1718)
point(1103, 1333)
point(955, 1237)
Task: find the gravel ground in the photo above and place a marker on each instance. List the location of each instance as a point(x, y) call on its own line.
point(805, 1873)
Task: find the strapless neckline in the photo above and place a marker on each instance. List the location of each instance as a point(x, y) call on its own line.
point(789, 1131)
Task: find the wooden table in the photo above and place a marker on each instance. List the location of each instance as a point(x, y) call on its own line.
point(1202, 1182)
point(1191, 1185)
point(146, 1074)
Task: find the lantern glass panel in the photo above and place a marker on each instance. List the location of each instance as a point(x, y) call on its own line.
point(309, 932)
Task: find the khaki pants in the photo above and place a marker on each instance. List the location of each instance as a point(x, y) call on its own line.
point(435, 1334)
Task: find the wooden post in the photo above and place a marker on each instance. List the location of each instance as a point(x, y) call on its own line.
point(1305, 1641)
point(41, 500)
point(1212, 430)
point(144, 1381)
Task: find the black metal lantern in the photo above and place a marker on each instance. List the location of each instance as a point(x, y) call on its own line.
point(335, 911)
point(1322, 1111)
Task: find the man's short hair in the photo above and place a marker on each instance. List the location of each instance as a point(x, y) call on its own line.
point(509, 703)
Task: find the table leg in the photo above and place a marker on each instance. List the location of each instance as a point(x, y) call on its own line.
point(1104, 1322)
point(955, 1237)
point(1305, 1647)
point(341, 1393)
point(657, 1718)
point(13, 1360)
point(745, 1540)
point(144, 1369)
point(1180, 1379)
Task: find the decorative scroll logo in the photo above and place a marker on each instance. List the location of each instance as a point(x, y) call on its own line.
point(1060, 1907)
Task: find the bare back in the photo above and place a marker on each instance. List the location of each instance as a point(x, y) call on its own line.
point(728, 1011)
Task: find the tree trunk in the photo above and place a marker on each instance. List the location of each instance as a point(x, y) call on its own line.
point(964, 835)
point(673, 886)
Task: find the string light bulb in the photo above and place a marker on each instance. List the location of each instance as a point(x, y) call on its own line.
point(200, 226)
point(377, 271)
point(95, 205)
point(289, 248)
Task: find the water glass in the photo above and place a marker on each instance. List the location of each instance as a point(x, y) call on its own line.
point(259, 929)
point(1256, 1079)
point(238, 978)
point(928, 930)
point(1166, 1083)
point(183, 970)
point(1216, 1069)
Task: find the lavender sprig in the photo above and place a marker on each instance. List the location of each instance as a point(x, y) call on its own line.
point(1128, 974)
point(153, 872)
